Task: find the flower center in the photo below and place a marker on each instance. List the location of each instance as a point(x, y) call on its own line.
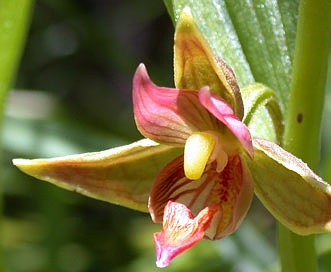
point(202, 148)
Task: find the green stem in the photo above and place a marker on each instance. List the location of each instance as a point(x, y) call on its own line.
point(14, 20)
point(303, 120)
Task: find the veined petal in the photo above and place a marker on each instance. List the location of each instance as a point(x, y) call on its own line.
point(167, 115)
point(231, 190)
point(223, 112)
point(196, 65)
point(181, 230)
point(121, 175)
point(296, 196)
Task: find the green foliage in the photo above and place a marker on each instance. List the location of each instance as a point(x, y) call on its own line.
point(256, 38)
point(14, 22)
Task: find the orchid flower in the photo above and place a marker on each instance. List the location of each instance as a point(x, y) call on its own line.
point(198, 167)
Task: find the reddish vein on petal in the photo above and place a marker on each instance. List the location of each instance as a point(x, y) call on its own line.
point(152, 111)
point(223, 112)
point(231, 190)
point(181, 230)
point(167, 115)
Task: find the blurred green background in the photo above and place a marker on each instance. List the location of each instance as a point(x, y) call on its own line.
point(73, 95)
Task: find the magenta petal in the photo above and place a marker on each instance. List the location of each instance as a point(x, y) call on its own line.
point(223, 112)
point(167, 115)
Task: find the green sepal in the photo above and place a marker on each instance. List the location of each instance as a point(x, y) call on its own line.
point(290, 190)
point(196, 65)
point(121, 175)
point(263, 113)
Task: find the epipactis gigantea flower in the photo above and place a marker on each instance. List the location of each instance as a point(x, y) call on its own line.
point(198, 167)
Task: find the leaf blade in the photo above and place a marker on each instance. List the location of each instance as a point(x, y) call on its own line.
point(255, 37)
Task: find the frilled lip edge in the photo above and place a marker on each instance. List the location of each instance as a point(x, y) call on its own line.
point(181, 230)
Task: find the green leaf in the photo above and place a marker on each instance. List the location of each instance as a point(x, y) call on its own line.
point(170, 8)
point(14, 23)
point(290, 190)
point(121, 175)
point(255, 37)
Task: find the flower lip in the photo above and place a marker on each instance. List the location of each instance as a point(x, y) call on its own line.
point(181, 230)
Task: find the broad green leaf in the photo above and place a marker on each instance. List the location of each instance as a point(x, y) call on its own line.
point(255, 37)
point(121, 175)
point(287, 187)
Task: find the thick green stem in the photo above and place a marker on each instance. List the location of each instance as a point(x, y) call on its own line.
point(14, 20)
point(303, 120)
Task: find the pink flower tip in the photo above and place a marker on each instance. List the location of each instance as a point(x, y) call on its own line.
point(163, 254)
point(181, 230)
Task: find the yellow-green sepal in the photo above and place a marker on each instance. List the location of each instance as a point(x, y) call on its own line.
point(121, 175)
point(196, 65)
point(290, 190)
